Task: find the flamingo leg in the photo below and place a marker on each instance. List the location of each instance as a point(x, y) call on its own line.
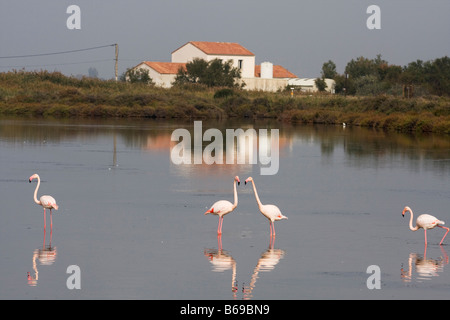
point(219, 227)
point(219, 242)
point(272, 228)
point(425, 232)
point(444, 234)
point(45, 223)
point(51, 221)
point(272, 242)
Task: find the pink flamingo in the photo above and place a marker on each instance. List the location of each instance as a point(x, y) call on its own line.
point(270, 211)
point(47, 202)
point(426, 222)
point(222, 207)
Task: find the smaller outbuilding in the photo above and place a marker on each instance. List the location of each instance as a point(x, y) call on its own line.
point(162, 73)
point(309, 85)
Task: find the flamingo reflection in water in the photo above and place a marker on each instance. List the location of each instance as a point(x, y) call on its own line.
point(269, 259)
point(223, 261)
point(46, 256)
point(425, 268)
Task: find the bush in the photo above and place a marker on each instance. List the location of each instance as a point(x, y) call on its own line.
point(223, 93)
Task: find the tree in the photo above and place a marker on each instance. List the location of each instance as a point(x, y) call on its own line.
point(194, 72)
point(368, 85)
point(413, 73)
point(375, 76)
point(214, 73)
point(433, 75)
point(320, 84)
point(365, 67)
point(137, 76)
point(344, 84)
point(329, 70)
point(393, 74)
point(438, 76)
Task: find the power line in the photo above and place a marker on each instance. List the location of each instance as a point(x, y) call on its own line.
point(53, 53)
point(56, 64)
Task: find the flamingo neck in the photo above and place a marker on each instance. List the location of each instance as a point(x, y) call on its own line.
point(411, 222)
point(235, 195)
point(256, 195)
point(36, 190)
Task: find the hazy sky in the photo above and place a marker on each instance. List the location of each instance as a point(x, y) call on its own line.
point(297, 34)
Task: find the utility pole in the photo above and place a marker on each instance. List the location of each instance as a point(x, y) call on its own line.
point(117, 60)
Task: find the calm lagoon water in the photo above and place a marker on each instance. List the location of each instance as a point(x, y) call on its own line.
point(134, 223)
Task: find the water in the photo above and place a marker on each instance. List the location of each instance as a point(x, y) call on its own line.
point(133, 221)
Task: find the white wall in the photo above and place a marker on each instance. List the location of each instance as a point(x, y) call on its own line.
point(188, 52)
point(161, 80)
point(264, 84)
point(309, 85)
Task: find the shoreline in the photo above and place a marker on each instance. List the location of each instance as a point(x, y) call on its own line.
point(31, 94)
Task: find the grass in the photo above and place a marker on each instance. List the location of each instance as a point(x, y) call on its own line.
point(51, 94)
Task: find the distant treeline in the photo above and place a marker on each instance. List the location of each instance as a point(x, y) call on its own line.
point(51, 94)
point(365, 76)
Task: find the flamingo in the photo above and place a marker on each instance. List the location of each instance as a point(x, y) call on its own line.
point(270, 211)
point(426, 222)
point(47, 202)
point(223, 207)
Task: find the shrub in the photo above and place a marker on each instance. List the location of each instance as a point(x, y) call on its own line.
point(223, 93)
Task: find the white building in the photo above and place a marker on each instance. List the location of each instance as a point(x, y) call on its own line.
point(269, 77)
point(162, 73)
point(242, 58)
point(266, 77)
point(309, 84)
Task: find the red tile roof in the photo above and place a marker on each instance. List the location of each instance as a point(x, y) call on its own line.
point(278, 72)
point(165, 67)
point(220, 48)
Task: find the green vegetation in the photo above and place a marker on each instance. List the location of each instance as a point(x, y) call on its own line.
point(135, 76)
point(214, 73)
point(376, 76)
point(51, 94)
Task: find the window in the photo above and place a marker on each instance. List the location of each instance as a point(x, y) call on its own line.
point(240, 62)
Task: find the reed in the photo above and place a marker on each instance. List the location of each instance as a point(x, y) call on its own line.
point(51, 94)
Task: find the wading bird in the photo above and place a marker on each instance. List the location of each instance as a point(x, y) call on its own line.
point(222, 207)
point(270, 211)
point(426, 222)
point(47, 202)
